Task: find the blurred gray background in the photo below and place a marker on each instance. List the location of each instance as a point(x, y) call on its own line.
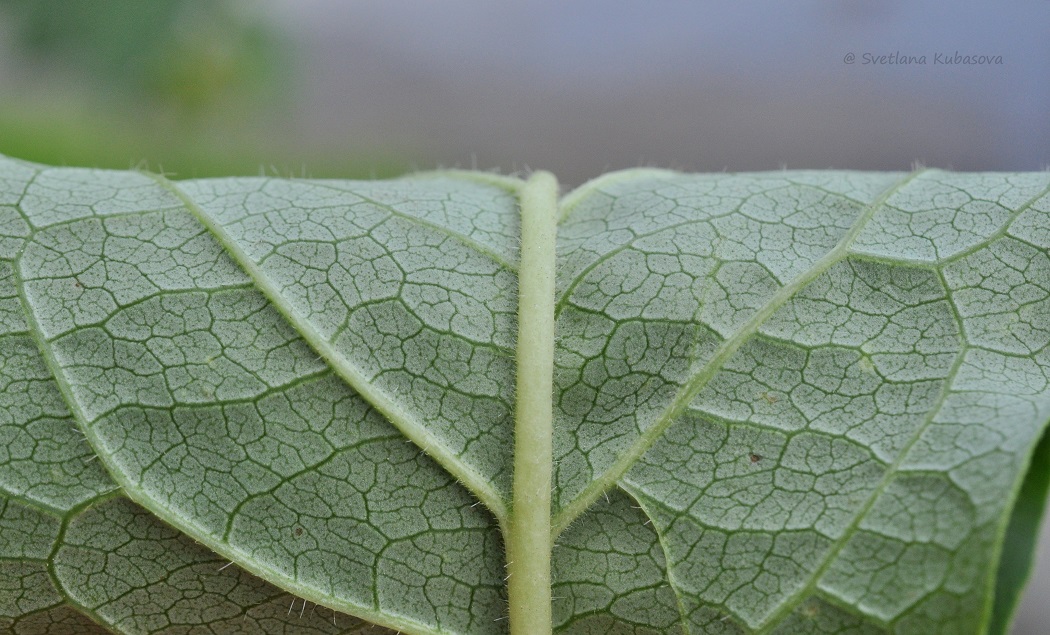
point(582, 87)
point(355, 88)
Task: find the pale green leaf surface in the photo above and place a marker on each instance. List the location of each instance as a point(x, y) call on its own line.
point(856, 440)
point(60, 538)
point(211, 411)
point(113, 564)
point(784, 402)
point(141, 576)
point(610, 574)
point(407, 286)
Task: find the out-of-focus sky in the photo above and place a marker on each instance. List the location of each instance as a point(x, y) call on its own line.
point(578, 87)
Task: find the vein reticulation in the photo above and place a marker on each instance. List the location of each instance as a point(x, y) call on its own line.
point(784, 402)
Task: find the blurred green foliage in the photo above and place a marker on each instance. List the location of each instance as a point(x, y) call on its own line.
point(191, 87)
point(187, 53)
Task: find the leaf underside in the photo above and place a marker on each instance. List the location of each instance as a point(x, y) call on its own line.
point(792, 402)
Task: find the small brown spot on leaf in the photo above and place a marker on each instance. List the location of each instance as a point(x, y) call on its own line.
point(298, 531)
point(755, 458)
point(77, 284)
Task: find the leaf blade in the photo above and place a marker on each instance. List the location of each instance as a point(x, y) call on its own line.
point(211, 412)
point(484, 480)
point(850, 457)
point(1026, 195)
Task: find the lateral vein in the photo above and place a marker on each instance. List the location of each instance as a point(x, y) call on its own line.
point(696, 383)
point(378, 399)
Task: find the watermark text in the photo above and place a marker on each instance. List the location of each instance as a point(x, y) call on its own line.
point(937, 58)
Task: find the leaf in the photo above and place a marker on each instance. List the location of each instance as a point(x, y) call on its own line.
point(783, 402)
point(70, 551)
